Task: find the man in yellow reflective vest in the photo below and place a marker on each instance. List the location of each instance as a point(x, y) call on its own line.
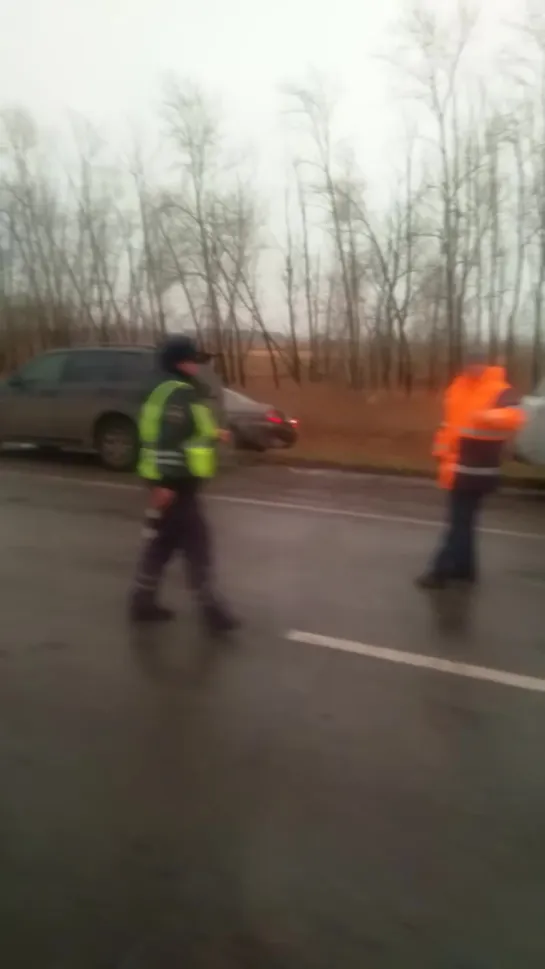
point(178, 438)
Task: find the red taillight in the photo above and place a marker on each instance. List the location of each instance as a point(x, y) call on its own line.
point(273, 417)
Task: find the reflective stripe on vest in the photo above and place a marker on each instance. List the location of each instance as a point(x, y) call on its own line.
point(485, 472)
point(199, 450)
point(197, 455)
point(482, 435)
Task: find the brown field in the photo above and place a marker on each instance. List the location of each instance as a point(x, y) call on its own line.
point(356, 428)
point(352, 427)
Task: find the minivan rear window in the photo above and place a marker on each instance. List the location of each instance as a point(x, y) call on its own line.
point(108, 366)
point(89, 366)
point(43, 370)
point(135, 365)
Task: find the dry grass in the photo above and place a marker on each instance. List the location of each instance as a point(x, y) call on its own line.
point(357, 429)
point(352, 427)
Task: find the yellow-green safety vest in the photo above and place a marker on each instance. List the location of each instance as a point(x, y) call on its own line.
point(198, 453)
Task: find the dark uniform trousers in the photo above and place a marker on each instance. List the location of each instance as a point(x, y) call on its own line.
point(182, 528)
point(457, 554)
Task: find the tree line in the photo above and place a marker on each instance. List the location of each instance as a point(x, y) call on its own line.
point(375, 296)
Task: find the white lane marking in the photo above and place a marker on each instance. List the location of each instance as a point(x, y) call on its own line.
point(399, 480)
point(435, 663)
point(282, 505)
point(367, 515)
point(68, 479)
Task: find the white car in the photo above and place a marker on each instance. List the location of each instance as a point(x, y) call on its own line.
point(530, 441)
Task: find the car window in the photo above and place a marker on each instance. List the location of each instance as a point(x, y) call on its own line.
point(231, 397)
point(89, 366)
point(134, 366)
point(47, 369)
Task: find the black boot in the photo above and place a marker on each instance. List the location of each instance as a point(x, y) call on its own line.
point(218, 619)
point(150, 612)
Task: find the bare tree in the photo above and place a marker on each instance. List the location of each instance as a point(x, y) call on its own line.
point(291, 286)
point(317, 107)
point(441, 48)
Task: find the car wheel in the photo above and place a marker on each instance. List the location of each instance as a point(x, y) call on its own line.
point(249, 440)
point(237, 438)
point(117, 443)
point(257, 447)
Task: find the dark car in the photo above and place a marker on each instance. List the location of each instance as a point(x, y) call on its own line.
point(256, 426)
point(89, 398)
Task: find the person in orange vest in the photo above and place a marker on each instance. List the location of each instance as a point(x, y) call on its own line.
point(481, 412)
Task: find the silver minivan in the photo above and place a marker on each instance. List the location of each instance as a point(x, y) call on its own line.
point(89, 398)
point(529, 445)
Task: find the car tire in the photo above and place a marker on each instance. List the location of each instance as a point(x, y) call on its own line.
point(257, 447)
point(237, 438)
point(248, 442)
point(116, 442)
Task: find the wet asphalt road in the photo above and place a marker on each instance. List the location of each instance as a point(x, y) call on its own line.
point(166, 803)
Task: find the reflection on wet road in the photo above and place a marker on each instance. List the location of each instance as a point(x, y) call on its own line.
point(270, 803)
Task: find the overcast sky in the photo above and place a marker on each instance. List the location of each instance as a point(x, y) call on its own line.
point(105, 58)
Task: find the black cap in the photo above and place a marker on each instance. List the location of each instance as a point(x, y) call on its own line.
point(176, 350)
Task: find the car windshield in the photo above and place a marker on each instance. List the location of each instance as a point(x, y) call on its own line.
point(231, 397)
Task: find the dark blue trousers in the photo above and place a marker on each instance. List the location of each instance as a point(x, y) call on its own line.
point(456, 556)
point(181, 529)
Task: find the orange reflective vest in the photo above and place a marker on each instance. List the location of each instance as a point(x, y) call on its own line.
point(479, 415)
